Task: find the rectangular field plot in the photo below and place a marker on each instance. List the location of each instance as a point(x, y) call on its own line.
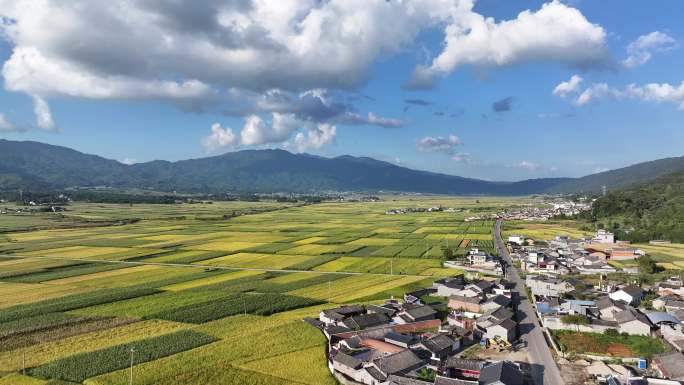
point(306, 366)
point(78, 252)
point(218, 363)
point(21, 293)
point(315, 249)
point(260, 261)
point(380, 265)
point(373, 242)
point(220, 278)
point(145, 307)
point(228, 246)
point(71, 302)
point(350, 288)
point(81, 366)
point(258, 304)
point(43, 353)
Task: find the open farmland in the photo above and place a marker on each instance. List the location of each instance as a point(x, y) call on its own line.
point(209, 297)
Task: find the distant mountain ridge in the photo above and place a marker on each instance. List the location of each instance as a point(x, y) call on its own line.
point(39, 166)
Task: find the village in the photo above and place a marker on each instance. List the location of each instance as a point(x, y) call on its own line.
point(465, 330)
point(411, 342)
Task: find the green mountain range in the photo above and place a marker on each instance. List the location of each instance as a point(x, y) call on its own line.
point(38, 166)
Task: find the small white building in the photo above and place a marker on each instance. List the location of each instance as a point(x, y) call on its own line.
point(517, 239)
point(629, 294)
point(603, 236)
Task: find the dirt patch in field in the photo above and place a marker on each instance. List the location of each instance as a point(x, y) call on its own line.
point(619, 350)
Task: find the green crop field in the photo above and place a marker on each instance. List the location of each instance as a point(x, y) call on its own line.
point(205, 296)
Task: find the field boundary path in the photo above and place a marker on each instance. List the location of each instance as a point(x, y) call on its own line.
point(213, 267)
point(544, 369)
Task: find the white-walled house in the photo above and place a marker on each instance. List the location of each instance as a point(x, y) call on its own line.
point(629, 294)
point(517, 239)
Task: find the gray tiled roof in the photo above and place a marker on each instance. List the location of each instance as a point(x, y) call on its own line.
point(347, 360)
point(453, 381)
point(398, 362)
point(364, 321)
point(464, 364)
point(504, 372)
point(421, 311)
point(403, 338)
point(438, 343)
point(399, 380)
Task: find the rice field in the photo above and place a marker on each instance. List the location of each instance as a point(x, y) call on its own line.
point(73, 296)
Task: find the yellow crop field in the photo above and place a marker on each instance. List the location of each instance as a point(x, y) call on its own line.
point(312, 249)
point(342, 287)
point(479, 237)
point(50, 351)
point(674, 249)
point(18, 379)
point(218, 363)
point(306, 241)
point(441, 229)
point(543, 231)
point(265, 236)
point(80, 252)
point(441, 272)
point(29, 264)
point(211, 280)
point(229, 246)
point(451, 237)
point(293, 277)
point(374, 289)
point(88, 252)
point(340, 264)
point(19, 293)
point(306, 366)
point(383, 230)
point(80, 279)
point(133, 276)
point(175, 256)
point(258, 261)
point(373, 242)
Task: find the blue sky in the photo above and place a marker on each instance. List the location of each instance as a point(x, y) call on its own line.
point(492, 115)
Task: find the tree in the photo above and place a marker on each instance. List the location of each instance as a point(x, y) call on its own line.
point(447, 253)
point(427, 374)
point(646, 265)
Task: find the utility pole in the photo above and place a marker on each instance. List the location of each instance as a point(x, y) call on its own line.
point(244, 304)
point(130, 378)
point(329, 296)
point(23, 363)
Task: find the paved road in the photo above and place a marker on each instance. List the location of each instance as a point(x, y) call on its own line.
point(544, 369)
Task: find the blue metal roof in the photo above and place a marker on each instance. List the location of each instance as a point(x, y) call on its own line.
point(657, 317)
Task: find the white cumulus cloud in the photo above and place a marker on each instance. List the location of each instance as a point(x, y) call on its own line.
point(283, 129)
point(220, 139)
point(641, 50)
point(651, 92)
point(43, 114)
point(568, 87)
point(447, 145)
point(314, 138)
point(556, 32)
point(528, 165)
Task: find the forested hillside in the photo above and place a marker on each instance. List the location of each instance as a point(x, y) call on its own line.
point(648, 211)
